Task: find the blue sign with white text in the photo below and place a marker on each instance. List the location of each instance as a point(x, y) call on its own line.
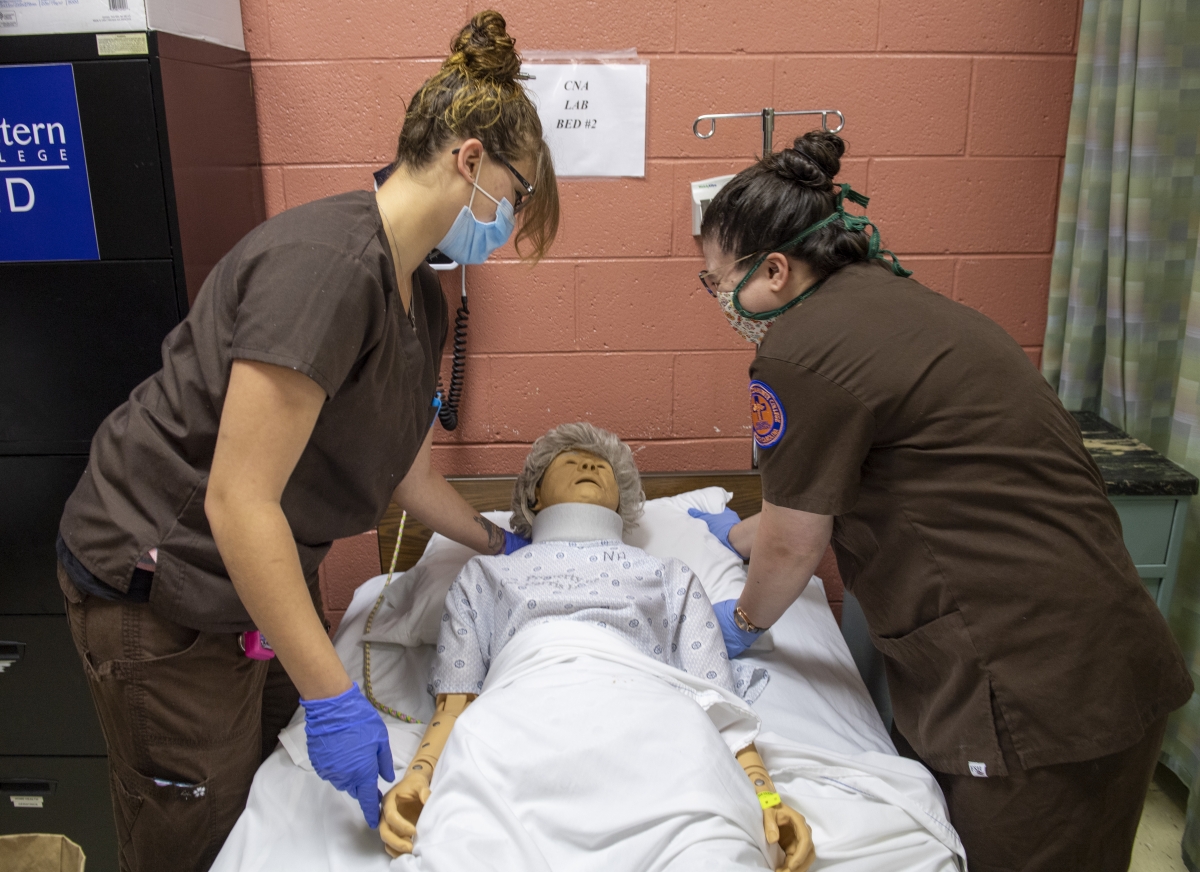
point(45, 202)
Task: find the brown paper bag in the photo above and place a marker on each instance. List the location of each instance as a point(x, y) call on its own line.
point(40, 852)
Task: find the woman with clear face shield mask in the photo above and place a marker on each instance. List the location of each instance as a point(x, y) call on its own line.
point(295, 401)
point(1028, 667)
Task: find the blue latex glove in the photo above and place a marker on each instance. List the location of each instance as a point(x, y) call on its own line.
point(737, 640)
point(513, 542)
point(348, 746)
point(719, 525)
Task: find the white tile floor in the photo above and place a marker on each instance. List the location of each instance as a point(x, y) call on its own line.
point(1156, 848)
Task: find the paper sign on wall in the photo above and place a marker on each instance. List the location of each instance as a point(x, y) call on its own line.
point(593, 116)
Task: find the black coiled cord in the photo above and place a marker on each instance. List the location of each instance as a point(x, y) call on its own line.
point(448, 413)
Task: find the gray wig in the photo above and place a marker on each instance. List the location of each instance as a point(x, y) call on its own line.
point(577, 437)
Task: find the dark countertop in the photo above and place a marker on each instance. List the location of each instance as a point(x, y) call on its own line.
point(1130, 467)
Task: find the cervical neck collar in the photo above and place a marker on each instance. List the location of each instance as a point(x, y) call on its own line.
point(576, 522)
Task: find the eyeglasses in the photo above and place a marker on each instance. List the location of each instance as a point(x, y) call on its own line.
point(522, 199)
point(711, 283)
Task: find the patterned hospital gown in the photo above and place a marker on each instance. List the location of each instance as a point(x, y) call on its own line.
point(658, 608)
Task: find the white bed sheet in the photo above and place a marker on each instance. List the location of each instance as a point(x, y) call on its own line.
point(815, 694)
point(820, 728)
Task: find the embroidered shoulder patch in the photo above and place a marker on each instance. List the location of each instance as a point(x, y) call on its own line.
point(768, 420)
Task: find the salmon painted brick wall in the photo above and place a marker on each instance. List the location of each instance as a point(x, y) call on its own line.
point(956, 119)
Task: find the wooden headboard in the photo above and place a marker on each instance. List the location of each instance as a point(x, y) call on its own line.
point(494, 492)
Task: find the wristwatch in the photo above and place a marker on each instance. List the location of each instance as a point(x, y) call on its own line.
point(743, 622)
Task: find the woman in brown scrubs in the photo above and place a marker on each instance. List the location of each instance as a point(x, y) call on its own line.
point(1028, 667)
point(294, 402)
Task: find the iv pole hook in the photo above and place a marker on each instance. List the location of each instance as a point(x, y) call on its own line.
point(768, 116)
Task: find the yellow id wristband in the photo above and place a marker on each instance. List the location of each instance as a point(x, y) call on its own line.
point(767, 799)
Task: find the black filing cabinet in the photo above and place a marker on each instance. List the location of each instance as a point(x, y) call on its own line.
point(170, 146)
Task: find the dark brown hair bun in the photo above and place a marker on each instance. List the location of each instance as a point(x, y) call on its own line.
point(813, 160)
point(484, 50)
point(823, 148)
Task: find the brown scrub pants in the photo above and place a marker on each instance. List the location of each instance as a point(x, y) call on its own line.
point(1070, 816)
point(187, 718)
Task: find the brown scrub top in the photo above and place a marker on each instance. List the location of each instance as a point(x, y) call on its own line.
point(312, 289)
point(969, 521)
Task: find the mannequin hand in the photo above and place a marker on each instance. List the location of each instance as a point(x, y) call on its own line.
point(401, 808)
point(787, 827)
point(513, 542)
point(348, 747)
point(737, 640)
point(719, 525)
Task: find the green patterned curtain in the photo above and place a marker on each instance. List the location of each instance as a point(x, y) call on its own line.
point(1181, 747)
point(1123, 337)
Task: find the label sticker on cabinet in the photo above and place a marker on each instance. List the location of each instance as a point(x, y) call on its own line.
point(108, 44)
point(28, 801)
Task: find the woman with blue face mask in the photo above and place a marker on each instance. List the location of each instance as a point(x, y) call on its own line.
point(295, 401)
point(1028, 668)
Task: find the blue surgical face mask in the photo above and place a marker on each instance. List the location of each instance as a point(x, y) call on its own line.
point(470, 240)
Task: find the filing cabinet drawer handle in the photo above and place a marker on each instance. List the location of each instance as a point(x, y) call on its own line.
point(10, 653)
point(42, 786)
point(27, 792)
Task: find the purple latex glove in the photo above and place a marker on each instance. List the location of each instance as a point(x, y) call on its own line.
point(513, 542)
point(348, 747)
point(737, 640)
point(719, 525)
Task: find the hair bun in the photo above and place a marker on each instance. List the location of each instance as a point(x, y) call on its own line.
point(813, 160)
point(484, 50)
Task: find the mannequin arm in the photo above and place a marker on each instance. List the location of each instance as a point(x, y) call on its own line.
point(403, 803)
point(782, 824)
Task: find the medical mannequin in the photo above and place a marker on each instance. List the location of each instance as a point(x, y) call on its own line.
point(573, 476)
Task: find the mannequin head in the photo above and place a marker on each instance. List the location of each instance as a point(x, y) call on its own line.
point(577, 476)
point(577, 463)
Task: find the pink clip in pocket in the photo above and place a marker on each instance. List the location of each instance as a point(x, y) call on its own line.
point(255, 646)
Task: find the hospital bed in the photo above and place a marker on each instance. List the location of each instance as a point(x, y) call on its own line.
point(822, 737)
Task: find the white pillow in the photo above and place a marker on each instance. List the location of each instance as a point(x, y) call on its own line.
point(667, 530)
point(411, 613)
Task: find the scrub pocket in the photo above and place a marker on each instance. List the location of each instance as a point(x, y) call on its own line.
point(151, 813)
point(941, 697)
